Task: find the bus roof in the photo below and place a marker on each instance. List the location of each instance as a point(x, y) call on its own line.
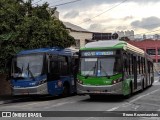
point(52, 50)
point(112, 44)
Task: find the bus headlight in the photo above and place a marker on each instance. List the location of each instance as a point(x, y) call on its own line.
point(80, 82)
point(117, 81)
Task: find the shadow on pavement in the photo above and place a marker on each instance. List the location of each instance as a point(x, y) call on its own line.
point(20, 99)
point(114, 98)
point(106, 98)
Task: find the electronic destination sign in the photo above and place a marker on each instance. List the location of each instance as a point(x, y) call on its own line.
point(97, 53)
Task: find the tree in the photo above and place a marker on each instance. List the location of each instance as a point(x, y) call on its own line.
point(24, 26)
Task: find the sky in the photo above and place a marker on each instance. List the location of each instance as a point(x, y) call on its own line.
point(142, 16)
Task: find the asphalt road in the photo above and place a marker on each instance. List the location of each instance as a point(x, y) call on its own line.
point(148, 100)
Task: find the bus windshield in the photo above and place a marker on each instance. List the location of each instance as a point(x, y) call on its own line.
point(27, 66)
point(100, 66)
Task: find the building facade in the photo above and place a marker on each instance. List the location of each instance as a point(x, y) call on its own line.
point(129, 34)
point(81, 35)
point(152, 47)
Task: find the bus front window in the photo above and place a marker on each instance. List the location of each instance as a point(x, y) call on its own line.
point(27, 66)
point(100, 66)
point(88, 66)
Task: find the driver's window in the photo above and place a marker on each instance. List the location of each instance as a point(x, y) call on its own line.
point(54, 67)
point(54, 70)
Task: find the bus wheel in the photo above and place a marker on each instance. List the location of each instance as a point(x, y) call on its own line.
point(65, 90)
point(152, 80)
point(93, 97)
point(142, 86)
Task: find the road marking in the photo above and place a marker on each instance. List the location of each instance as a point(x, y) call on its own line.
point(125, 104)
point(112, 109)
point(59, 104)
point(151, 118)
point(156, 81)
point(156, 105)
point(93, 118)
point(143, 95)
point(31, 104)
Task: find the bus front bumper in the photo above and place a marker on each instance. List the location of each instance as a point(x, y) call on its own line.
point(115, 89)
point(36, 90)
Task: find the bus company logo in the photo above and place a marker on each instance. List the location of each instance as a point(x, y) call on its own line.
point(6, 114)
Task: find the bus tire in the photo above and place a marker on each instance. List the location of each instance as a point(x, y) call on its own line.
point(152, 80)
point(93, 97)
point(66, 90)
point(142, 85)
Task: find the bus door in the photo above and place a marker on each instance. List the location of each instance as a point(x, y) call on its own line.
point(53, 75)
point(135, 71)
point(74, 68)
point(149, 72)
point(72, 73)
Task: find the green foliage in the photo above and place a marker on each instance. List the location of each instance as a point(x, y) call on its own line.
point(24, 26)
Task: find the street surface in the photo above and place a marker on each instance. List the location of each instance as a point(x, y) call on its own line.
point(148, 100)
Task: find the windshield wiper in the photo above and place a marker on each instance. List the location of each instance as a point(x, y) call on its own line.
point(29, 71)
point(93, 68)
point(101, 68)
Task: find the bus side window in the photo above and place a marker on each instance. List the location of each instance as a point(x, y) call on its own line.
point(76, 65)
point(138, 65)
point(129, 64)
point(149, 67)
point(54, 70)
point(64, 65)
point(69, 61)
point(126, 64)
point(142, 65)
point(152, 67)
point(132, 64)
point(117, 65)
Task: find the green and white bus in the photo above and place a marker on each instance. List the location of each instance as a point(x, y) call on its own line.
point(113, 67)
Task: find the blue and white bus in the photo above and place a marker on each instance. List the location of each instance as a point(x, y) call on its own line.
point(44, 71)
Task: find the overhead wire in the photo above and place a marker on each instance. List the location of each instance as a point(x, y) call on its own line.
point(37, 2)
point(57, 1)
point(104, 12)
point(65, 3)
point(101, 13)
